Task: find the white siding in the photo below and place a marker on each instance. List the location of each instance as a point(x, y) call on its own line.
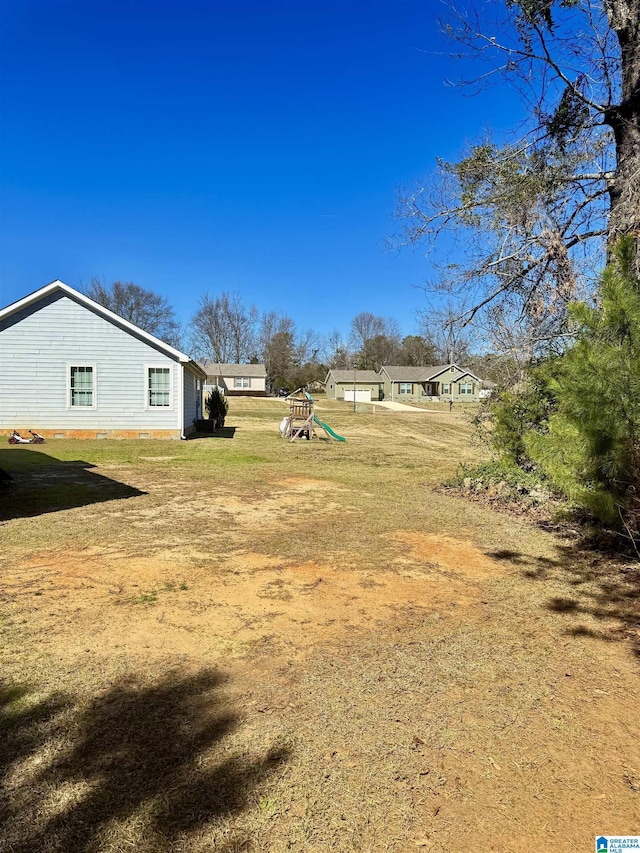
point(38, 344)
point(256, 383)
point(192, 399)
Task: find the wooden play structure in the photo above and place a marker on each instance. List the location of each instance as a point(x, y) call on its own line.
point(302, 420)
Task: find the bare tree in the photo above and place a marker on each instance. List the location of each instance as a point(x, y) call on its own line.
point(530, 218)
point(375, 340)
point(276, 344)
point(144, 308)
point(223, 329)
point(450, 337)
point(417, 351)
point(307, 347)
point(242, 321)
point(335, 352)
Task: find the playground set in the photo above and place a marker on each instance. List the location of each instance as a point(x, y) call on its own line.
point(302, 420)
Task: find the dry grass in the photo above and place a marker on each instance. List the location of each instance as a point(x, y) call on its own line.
point(247, 644)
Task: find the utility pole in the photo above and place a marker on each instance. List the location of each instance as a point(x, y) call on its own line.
point(354, 387)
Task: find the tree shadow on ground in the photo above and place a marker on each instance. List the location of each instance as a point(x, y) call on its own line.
point(43, 484)
point(142, 765)
point(602, 589)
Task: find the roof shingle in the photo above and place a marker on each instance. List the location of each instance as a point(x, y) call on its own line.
point(215, 369)
point(368, 376)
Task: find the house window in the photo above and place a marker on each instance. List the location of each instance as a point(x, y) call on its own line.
point(242, 382)
point(81, 386)
point(406, 387)
point(466, 388)
point(446, 387)
point(158, 387)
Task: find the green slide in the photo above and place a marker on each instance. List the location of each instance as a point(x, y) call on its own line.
point(328, 430)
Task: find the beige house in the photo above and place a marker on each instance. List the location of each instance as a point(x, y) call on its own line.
point(442, 382)
point(235, 379)
point(359, 386)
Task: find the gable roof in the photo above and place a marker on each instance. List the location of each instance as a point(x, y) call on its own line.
point(464, 371)
point(403, 373)
point(400, 373)
point(214, 368)
point(368, 376)
point(111, 316)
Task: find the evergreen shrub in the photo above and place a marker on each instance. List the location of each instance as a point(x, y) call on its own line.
point(592, 448)
point(217, 407)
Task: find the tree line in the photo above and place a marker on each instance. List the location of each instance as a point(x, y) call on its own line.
point(226, 329)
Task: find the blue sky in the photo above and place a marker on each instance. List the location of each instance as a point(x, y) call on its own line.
point(239, 145)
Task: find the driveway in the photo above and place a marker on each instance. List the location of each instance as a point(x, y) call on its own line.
point(402, 407)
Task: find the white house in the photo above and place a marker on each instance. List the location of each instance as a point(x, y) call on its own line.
point(70, 368)
point(246, 379)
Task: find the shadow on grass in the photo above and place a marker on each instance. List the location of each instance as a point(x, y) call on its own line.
point(44, 484)
point(601, 587)
point(223, 432)
point(142, 765)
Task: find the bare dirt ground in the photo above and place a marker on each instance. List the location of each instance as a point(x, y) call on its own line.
point(266, 646)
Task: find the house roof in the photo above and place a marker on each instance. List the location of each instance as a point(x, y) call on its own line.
point(55, 286)
point(214, 368)
point(403, 373)
point(400, 373)
point(368, 376)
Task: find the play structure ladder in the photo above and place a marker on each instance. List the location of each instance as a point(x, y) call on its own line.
point(302, 418)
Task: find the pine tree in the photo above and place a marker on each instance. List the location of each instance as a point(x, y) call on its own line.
point(592, 448)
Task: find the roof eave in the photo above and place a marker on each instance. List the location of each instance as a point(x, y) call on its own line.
point(34, 297)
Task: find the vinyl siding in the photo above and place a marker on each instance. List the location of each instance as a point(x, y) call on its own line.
point(418, 392)
point(39, 343)
point(454, 379)
point(257, 384)
point(192, 399)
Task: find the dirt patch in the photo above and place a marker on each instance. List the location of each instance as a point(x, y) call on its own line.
point(305, 484)
point(238, 602)
point(453, 555)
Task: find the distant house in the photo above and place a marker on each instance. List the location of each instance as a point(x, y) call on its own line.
point(361, 386)
point(70, 368)
point(246, 379)
point(488, 388)
point(442, 382)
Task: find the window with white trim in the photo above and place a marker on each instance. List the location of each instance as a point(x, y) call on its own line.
point(159, 387)
point(81, 386)
point(466, 388)
point(406, 387)
point(242, 382)
point(446, 388)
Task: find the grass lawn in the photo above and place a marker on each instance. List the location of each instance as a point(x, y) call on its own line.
point(242, 644)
